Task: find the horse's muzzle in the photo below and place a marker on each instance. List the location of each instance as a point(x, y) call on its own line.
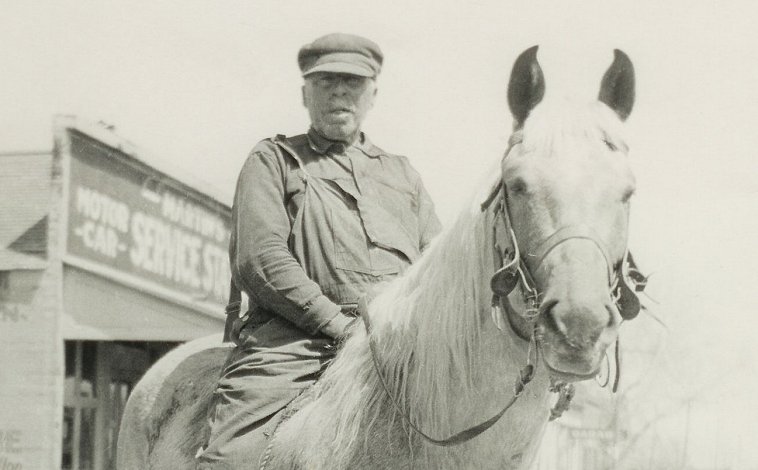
point(574, 338)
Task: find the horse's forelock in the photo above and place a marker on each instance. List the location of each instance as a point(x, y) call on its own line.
point(560, 120)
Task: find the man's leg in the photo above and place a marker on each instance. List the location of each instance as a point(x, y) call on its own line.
point(273, 365)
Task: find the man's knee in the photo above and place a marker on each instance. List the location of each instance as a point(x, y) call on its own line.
point(237, 448)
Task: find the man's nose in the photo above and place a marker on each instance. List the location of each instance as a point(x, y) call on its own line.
point(340, 87)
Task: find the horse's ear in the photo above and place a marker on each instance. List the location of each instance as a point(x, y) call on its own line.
point(527, 85)
point(617, 87)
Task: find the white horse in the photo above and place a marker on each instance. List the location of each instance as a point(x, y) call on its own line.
point(442, 354)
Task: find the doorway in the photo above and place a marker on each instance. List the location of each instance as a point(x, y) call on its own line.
point(99, 376)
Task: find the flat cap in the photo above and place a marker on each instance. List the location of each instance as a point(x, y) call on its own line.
point(341, 53)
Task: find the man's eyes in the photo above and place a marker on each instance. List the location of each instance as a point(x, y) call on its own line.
point(328, 82)
point(353, 82)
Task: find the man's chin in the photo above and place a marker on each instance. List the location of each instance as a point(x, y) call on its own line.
point(340, 132)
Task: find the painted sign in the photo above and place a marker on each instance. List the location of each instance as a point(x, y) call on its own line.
point(144, 225)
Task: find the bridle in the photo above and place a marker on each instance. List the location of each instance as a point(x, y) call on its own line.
point(624, 280)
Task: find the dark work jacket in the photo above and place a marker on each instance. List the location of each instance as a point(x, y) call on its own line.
point(316, 224)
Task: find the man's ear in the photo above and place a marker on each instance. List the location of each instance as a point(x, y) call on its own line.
point(305, 101)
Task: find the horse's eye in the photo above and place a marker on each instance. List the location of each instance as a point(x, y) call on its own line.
point(517, 186)
point(611, 146)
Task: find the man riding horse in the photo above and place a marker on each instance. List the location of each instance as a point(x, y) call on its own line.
point(318, 220)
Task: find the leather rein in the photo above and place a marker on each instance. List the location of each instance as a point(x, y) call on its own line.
point(512, 273)
point(525, 376)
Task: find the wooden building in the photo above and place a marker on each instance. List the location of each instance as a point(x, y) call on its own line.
point(108, 258)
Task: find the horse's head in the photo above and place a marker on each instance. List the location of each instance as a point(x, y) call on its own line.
point(567, 184)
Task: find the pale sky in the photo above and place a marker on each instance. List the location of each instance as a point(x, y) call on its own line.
point(197, 83)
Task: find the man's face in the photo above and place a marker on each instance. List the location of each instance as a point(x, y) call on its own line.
point(338, 103)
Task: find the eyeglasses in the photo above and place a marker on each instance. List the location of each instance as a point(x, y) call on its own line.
point(331, 80)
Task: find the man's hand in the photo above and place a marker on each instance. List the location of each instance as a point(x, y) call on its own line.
point(337, 326)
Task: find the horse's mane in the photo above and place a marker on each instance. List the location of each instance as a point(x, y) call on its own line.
point(437, 316)
point(438, 306)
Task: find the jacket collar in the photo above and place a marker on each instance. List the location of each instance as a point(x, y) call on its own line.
point(322, 145)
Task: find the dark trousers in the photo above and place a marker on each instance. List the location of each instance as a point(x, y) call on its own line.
point(274, 363)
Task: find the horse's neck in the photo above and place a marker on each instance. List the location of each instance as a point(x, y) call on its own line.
point(437, 329)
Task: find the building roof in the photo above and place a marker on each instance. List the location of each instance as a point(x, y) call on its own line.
point(109, 137)
point(24, 206)
point(25, 185)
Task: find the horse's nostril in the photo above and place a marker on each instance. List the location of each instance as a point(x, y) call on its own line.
point(578, 325)
point(551, 320)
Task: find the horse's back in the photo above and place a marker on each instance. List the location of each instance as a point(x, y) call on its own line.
point(164, 422)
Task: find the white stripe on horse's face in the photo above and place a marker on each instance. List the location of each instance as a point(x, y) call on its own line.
point(569, 168)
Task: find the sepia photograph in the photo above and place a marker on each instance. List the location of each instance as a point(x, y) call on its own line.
point(353, 234)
